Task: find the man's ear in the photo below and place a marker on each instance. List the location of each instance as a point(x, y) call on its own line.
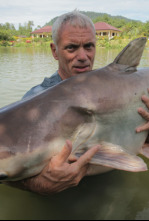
point(54, 50)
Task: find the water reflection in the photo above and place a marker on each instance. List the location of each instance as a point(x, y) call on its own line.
point(21, 69)
point(111, 196)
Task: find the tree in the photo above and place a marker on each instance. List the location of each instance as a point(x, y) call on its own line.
point(25, 29)
point(146, 28)
point(30, 24)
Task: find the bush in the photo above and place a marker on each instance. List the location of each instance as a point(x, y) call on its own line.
point(6, 35)
point(4, 43)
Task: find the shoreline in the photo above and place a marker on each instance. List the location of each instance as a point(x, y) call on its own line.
point(45, 43)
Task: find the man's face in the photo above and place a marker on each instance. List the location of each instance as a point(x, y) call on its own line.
point(75, 51)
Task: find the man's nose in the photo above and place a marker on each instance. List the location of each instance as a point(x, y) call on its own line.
point(82, 55)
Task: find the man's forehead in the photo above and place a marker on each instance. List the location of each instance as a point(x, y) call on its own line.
point(76, 24)
point(76, 34)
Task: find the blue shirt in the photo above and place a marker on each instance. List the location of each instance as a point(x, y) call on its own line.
point(48, 82)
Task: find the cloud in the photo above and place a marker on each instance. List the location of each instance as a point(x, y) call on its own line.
point(20, 11)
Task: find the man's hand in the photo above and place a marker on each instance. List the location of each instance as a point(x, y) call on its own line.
point(62, 172)
point(144, 114)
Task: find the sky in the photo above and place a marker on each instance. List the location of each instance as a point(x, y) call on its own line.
point(42, 11)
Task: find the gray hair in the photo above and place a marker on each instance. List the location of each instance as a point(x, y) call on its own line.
point(74, 18)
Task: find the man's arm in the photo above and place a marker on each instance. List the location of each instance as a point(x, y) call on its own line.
point(62, 172)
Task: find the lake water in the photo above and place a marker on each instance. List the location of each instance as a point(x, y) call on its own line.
point(111, 196)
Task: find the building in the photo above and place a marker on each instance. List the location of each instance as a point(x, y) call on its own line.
point(43, 32)
point(104, 29)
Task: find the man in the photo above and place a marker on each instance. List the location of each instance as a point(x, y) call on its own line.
point(74, 47)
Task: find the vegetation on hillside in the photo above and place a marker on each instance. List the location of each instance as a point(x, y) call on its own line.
point(97, 16)
point(130, 29)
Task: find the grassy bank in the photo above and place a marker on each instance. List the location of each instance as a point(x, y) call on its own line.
point(26, 43)
point(115, 43)
point(45, 43)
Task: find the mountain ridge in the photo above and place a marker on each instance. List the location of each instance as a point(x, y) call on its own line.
point(99, 16)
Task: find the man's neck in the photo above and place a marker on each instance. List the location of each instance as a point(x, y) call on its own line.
point(63, 76)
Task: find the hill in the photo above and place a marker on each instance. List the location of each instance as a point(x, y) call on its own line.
point(117, 21)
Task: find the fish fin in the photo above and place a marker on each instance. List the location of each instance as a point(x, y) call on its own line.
point(111, 155)
point(145, 150)
point(131, 55)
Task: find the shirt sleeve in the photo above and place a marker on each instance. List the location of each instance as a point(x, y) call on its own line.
point(48, 82)
point(33, 91)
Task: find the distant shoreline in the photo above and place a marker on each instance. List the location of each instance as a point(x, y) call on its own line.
point(45, 43)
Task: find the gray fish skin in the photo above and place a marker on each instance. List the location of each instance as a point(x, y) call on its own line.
point(98, 107)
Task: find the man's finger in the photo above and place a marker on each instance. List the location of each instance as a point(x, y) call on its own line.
point(64, 154)
point(145, 99)
point(143, 113)
point(72, 158)
point(86, 157)
point(143, 128)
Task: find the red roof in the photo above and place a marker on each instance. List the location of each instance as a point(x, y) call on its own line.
point(104, 26)
point(44, 29)
point(98, 26)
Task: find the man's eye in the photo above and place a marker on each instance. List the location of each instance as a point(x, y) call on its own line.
point(89, 46)
point(71, 47)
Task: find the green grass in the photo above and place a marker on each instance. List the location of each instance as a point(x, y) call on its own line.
point(45, 43)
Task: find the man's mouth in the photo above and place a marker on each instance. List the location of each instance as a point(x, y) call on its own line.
point(82, 68)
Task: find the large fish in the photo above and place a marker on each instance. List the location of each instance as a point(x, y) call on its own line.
point(98, 107)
